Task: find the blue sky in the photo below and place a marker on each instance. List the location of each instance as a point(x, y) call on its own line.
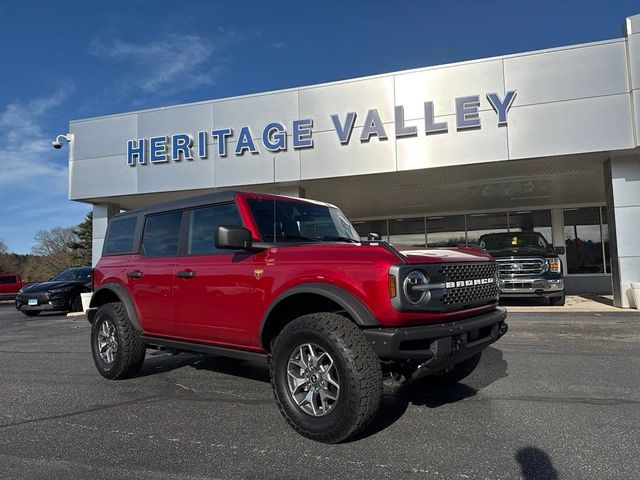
point(68, 60)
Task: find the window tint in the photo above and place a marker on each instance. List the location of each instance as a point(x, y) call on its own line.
point(371, 226)
point(407, 231)
point(446, 231)
point(8, 279)
point(479, 224)
point(204, 223)
point(73, 275)
point(120, 236)
point(161, 234)
point(532, 221)
point(583, 240)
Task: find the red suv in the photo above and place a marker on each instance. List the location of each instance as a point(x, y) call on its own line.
point(288, 282)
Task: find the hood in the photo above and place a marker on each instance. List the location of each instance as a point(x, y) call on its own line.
point(522, 252)
point(44, 286)
point(452, 255)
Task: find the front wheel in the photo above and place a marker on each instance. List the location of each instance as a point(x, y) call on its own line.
point(325, 377)
point(117, 349)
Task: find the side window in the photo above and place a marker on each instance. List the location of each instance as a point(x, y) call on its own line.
point(204, 223)
point(8, 280)
point(120, 236)
point(162, 234)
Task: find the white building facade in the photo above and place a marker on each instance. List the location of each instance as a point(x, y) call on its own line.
point(544, 140)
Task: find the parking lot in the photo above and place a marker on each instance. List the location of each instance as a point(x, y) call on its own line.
point(558, 397)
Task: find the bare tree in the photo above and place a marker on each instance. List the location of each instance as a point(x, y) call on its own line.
point(53, 248)
point(3, 248)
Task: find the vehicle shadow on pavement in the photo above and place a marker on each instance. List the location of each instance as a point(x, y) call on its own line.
point(162, 362)
point(535, 464)
point(425, 393)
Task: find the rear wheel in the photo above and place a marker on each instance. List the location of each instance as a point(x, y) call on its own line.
point(31, 313)
point(557, 301)
point(458, 372)
point(325, 377)
point(117, 349)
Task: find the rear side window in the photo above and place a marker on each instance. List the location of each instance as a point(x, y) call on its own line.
point(162, 234)
point(8, 279)
point(120, 236)
point(203, 225)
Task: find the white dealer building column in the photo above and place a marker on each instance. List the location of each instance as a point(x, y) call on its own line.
point(622, 184)
point(101, 215)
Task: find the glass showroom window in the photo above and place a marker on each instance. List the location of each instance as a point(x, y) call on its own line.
point(445, 231)
point(371, 226)
point(532, 221)
point(479, 224)
point(407, 231)
point(605, 239)
point(583, 240)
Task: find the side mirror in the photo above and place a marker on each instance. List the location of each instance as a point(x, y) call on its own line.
point(373, 237)
point(558, 250)
point(233, 237)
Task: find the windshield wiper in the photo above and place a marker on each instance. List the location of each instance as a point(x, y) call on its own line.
point(338, 238)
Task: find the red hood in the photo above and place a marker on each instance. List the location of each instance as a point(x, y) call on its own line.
point(446, 255)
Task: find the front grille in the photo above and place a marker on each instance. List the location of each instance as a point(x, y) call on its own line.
point(521, 266)
point(471, 294)
point(529, 285)
point(467, 271)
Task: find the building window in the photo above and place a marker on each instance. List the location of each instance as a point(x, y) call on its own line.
point(532, 221)
point(479, 224)
point(583, 240)
point(445, 231)
point(407, 231)
point(371, 226)
point(605, 239)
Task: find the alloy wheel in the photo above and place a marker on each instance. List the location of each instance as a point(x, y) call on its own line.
point(107, 342)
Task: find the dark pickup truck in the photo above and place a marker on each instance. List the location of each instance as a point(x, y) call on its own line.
point(528, 266)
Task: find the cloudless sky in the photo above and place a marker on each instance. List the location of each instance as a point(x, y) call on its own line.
point(67, 60)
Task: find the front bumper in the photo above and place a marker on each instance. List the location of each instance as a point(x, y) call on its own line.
point(531, 287)
point(45, 302)
point(437, 347)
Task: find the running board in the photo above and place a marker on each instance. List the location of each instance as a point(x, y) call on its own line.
point(208, 349)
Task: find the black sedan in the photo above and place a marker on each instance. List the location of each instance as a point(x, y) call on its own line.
point(59, 293)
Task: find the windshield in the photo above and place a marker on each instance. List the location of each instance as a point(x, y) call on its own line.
point(514, 242)
point(75, 274)
point(292, 221)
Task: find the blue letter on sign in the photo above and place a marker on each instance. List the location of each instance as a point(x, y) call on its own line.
point(302, 133)
point(501, 107)
point(344, 132)
point(158, 149)
point(202, 144)
point(467, 115)
point(245, 142)
point(274, 137)
point(221, 135)
point(136, 152)
point(181, 142)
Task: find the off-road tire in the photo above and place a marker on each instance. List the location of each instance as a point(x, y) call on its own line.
point(458, 372)
point(557, 301)
point(31, 313)
point(131, 350)
point(358, 370)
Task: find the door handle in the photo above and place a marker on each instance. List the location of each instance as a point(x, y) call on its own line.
point(185, 274)
point(135, 274)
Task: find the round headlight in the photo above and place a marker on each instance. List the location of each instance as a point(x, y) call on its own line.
point(416, 287)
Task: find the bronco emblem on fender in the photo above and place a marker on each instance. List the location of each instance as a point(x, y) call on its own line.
point(258, 272)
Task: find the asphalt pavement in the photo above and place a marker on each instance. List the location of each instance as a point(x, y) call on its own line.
point(557, 397)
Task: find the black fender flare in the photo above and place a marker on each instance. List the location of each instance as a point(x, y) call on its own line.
point(122, 293)
point(360, 314)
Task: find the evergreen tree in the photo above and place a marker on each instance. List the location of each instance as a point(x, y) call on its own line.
point(81, 245)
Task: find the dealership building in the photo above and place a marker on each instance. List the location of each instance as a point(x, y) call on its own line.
point(544, 140)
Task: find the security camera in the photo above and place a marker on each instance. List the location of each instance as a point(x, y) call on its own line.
point(57, 143)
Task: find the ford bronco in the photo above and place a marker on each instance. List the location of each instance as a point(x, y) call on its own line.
point(288, 282)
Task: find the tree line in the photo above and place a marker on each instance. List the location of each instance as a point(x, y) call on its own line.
point(54, 250)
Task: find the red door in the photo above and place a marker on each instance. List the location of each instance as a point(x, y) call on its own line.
point(151, 284)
